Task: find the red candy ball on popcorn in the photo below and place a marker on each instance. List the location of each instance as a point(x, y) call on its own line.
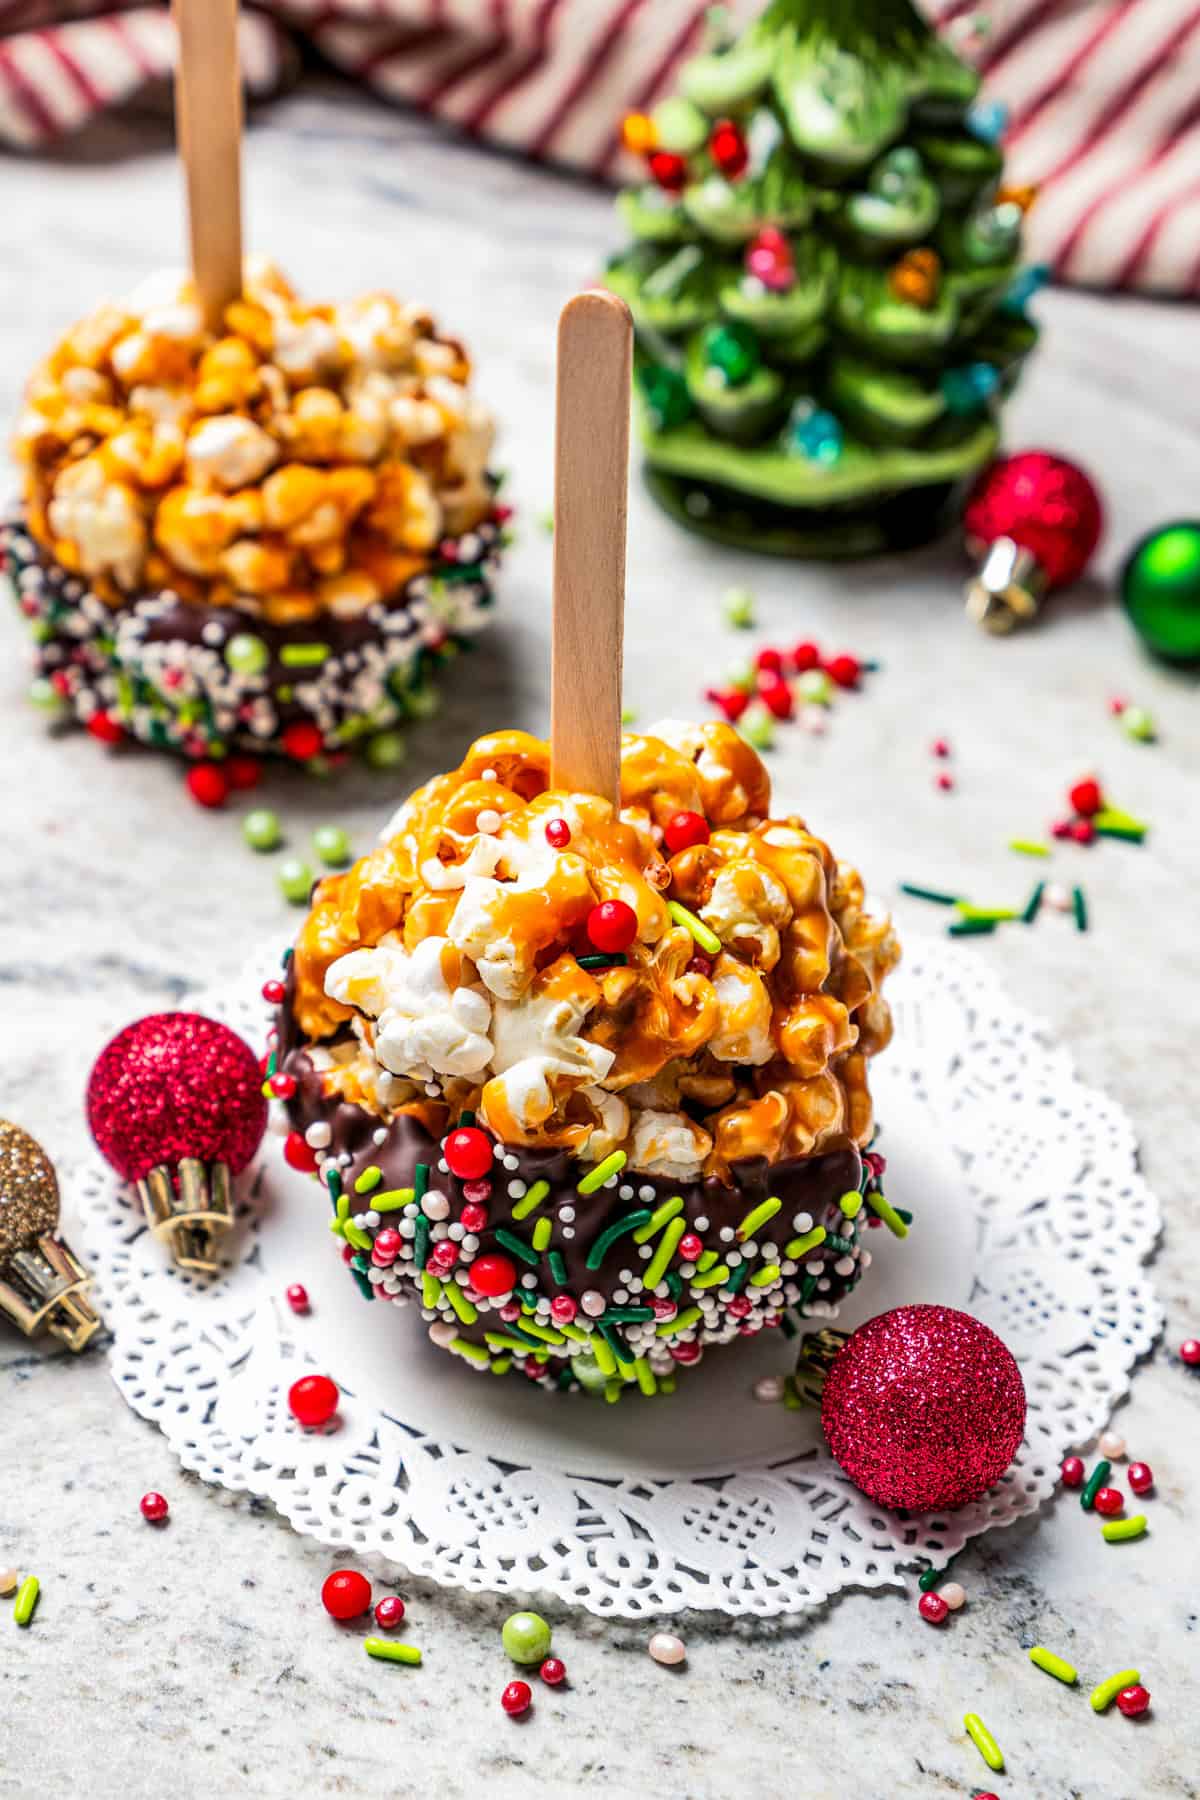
point(176, 1085)
point(924, 1408)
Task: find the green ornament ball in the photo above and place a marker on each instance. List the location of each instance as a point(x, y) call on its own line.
point(247, 654)
point(733, 350)
point(386, 750)
point(295, 880)
point(526, 1637)
point(665, 392)
point(332, 845)
point(261, 829)
point(1160, 588)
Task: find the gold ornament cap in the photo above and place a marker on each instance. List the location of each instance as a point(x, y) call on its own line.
point(818, 1352)
point(1007, 588)
point(42, 1282)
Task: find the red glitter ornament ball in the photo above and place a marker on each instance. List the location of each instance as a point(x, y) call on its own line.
point(1045, 504)
point(924, 1408)
point(1133, 1701)
point(469, 1153)
point(517, 1698)
point(684, 830)
point(493, 1275)
point(313, 1400)
point(175, 1085)
point(345, 1594)
point(612, 926)
point(154, 1508)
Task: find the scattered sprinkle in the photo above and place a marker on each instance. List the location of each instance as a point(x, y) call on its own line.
point(666, 1648)
point(1058, 1666)
point(737, 608)
point(924, 893)
point(384, 1651)
point(1106, 1692)
point(704, 936)
point(1027, 847)
point(596, 1178)
point(1079, 907)
point(984, 1742)
point(1120, 1531)
point(26, 1601)
point(1095, 1482)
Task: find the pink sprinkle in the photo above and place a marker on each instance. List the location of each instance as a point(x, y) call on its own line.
point(944, 782)
point(1117, 705)
point(940, 747)
point(1061, 828)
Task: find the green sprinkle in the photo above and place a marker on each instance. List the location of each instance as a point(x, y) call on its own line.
point(984, 1742)
point(618, 960)
point(626, 1315)
point(887, 1212)
point(645, 1377)
point(26, 1600)
point(1079, 907)
point(459, 1302)
point(391, 1200)
point(558, 1268)
point(518, 1246)
point(851, 1204)
point(573, 1332)
point(1121, 1531)
point(842, 1245)
point(545, 1334)
point(756, 1217)
point(420, 1182)
point(1095, 1482)
point(924, 893)
point(1111, 818)
point(612, 1392)
point(673, 1283)
point(620, 1349)
point(706, 1260)
point(764, 1277)
point(363, 1285)
point(1027, 847)
point(988, 915)
point(902, 1213)
point(1033, 905)
point(473, 1352)
point(431, 1289)
point(596, 1178)
point(680, 1322)
point(800, 1246)
point(658, 1218)
point(712, 1278)
point(303, 656)
point(1058, 1666)
point(1127, 834)
point(465, 1118)
point(508, 1340)
point(501, 1366)
point(617, 1229)
point(666, 1384)
point(971, 927)
point(931, 1577)
point(1103, 1696)
point(530, 1201)
point(738, 1279)
point(656, 1268)
point(354, 1234)
point(333, 1178)
point(541, 1235)
point(707, 940)
point(606, 1362)
point(368, 1180)
point(385, 1651)
point(421, 1239)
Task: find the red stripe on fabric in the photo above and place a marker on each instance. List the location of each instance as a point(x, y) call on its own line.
point(461, 71)
point(76, 74)
point(115, 26)
point(589, 70)
point(659, 77)
point(403, 43)
point(1152, 231)
point(1179, 126)
point(27, 98)
point(996, 50)
point(1032, 110)
point(521, 74)
point(1121, 101)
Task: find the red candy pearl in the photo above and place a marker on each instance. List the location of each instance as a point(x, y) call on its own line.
point(443, 1256)
point(389, 1612)
point(517, 1698)
point(102, 725)
point(728, 149)
point(932, 1607)
point(1086, 798)
point(945, 783)
point(387, 1247)
point(1073, 1471)
point(669, 170)
point(612, 926)
point(297, 1154)
point(154, 1508)
point(844, 669)
point(553, 1672)
point(493, 1275)
point(272, 992)
point(558, 834)
point(564, 1307)
point(345, 1594)
point(474, 1218)
point(776, 696)
point(469, 1153)
point(283, 1086)
point(691, 1246)
point(684, 830)
point(769, 659)
point(732, 702)
point(1189, 1352)
point(207, 784)
point(313, 1400)
point(302, 741)
point(1133, 1701)
point(805, 656)
point(686, 1353)
point(243, 772)
point(1082, 830)
point(297, 1297)
point(1141, 1477)
point(1109, 1501)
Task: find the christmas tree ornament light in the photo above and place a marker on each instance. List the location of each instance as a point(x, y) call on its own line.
point(175, 1104)
point(42, 1282)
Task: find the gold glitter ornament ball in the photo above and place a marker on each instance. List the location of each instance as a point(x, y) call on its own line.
point(28, 1190)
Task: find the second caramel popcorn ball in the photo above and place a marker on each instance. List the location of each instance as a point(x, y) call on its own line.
point(286, 525)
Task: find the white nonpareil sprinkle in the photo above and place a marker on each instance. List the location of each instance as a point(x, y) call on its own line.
point(488, 820)
point(803, 1222)
point(516, 1189)
point(318, 1135)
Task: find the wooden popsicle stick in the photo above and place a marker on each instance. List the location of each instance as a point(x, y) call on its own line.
point(591, 487)
point(208, 116)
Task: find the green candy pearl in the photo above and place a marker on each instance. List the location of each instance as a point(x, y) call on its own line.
point(332, 845)
point(247, 653)
point(386, 750)
point(44, 694)
point(1138, 724)
point(815, 687)
point(261, 829)
point(737, 604)
point(295, 880)
point(1160, 588)
point(526, 1637)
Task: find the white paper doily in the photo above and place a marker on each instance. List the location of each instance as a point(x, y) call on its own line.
point(1029, 1212)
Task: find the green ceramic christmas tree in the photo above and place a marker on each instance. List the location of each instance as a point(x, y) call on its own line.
point(824, 279)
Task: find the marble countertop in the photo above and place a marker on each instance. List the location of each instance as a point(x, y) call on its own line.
point(188, 1662)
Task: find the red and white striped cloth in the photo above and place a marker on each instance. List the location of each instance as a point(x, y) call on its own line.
point(1103, 95)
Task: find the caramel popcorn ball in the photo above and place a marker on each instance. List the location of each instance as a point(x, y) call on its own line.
point(714, 1071)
